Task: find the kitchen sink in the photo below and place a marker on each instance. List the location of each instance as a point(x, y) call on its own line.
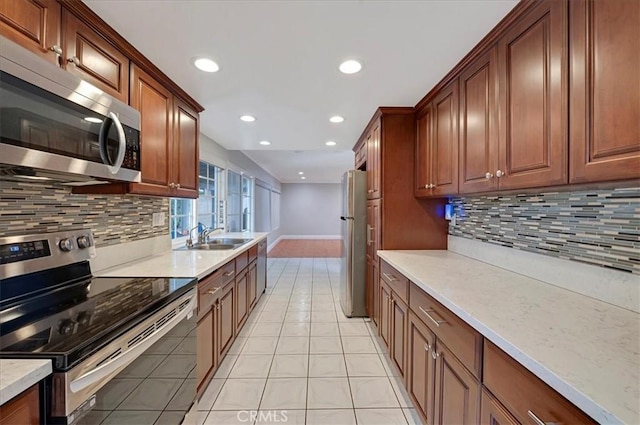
point(218, 244)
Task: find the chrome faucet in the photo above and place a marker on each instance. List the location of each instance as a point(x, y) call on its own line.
point(190, 240)
point(205, 234)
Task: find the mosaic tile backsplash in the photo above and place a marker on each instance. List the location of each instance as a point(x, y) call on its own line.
point(599, 227)
point(27, 208)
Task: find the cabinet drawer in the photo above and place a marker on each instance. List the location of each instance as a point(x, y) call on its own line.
point(253, 253)
point(524, 394)
point(207, 295)
point(208, 285)
point(463, 340)
point(242, 260)
point(396, 281)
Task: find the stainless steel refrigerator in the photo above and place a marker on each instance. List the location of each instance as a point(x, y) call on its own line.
point(353, 260)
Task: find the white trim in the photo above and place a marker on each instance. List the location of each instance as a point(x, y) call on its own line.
point(611, 286)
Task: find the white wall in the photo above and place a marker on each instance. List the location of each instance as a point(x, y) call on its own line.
point(310, 209)
point(213, 153)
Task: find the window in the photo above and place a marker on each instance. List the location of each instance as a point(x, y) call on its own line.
point(240, 203)
point(208, 209)
point(210, 199)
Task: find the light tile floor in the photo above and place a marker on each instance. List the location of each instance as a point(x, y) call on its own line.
point(300, 360)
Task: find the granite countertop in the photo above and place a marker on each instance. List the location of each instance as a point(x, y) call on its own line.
point(587, 350)
point(183, 263)
point(19, 375)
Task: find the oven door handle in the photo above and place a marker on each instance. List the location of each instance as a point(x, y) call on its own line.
point(106, 369)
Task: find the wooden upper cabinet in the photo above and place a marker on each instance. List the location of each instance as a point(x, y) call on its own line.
point(444, 144)
point(33, 24)
point(185, 150)
point(423, 160)
point(533, 99)
point(374, 163)
point(479, 124)
point(155, 104)
point(605, 90)
point(95, 60)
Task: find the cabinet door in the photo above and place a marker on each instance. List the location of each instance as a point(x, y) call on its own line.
point(385, 316)
point(33, 24)
point(479, 124)
point(206, 347)
point(421, 366)
point(374, 163)
point(23, 409)
point(155, 104)
point(605, 90)
point(252, 283)
point(376, 294)
point(444, 144)
point(423, 160)
point(373, 228)
point(533, 99)
point(494, 413)
point(185, 150)
point(457, 393)
point(94, 59)
point(242, 294)
point(398, 310)
point(368, 288)
point(226, 319)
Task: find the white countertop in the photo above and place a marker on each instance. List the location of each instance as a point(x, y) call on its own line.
point(19, 375)
point(587, 350)
point(183, 263)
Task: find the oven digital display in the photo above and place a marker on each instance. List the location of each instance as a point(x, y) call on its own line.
point(11, 253)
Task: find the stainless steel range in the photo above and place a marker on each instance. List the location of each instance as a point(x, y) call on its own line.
point(123, 349)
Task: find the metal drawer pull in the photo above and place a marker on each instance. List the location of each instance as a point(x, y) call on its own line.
point(390, 277)
point(427, 347)
point(436, 322)
point(537, 420)
point(227, 274)
point(212, 291)
point(435, 355)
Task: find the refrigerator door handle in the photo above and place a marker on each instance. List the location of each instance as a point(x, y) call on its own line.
point(343, 218)
point(369, 228)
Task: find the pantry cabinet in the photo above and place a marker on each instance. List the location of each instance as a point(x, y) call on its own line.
point(92, 58)
point(374, 162)
point(604, 105)
point(33, 24)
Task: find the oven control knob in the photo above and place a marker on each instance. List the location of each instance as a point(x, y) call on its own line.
point(66, 245)
point(84, 242)
point(66, 327)
point(83, 318)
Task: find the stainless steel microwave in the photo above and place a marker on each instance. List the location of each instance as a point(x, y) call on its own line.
point(55, 126)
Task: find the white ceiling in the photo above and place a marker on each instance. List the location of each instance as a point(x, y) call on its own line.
point(279, 62)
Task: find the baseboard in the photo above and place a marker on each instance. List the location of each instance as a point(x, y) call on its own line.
point(273, 244)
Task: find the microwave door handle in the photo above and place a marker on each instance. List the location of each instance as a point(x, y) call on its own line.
point(122, 147)
point(102, 141)
point(106, 369)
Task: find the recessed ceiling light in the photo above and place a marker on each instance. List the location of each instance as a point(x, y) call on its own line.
point(336, 119)
point(350, 67)
point(330, 143)
point(93, 119)
point(206, 65)
point(301, 172)
point(303, 178)
point(265, 143)
point(248, 118)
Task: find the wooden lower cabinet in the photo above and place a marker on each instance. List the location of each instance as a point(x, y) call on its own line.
point(252, 283)
point(206, 351)
point(421, 367)
point(242, 289)
point(23, 409)
point(493, 412)
point(226, 329)
point(385, 313)
point(457, 391)
point(399, 319)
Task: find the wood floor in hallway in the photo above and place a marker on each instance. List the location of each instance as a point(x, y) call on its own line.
point(307, 248)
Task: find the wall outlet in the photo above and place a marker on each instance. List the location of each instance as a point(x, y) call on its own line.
point(158, 219)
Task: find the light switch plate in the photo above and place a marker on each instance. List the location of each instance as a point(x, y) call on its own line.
point(158, 219)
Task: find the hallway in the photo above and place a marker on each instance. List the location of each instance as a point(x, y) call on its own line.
point(299, 360)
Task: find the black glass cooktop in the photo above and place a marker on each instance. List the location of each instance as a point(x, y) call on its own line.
point(72, 321)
